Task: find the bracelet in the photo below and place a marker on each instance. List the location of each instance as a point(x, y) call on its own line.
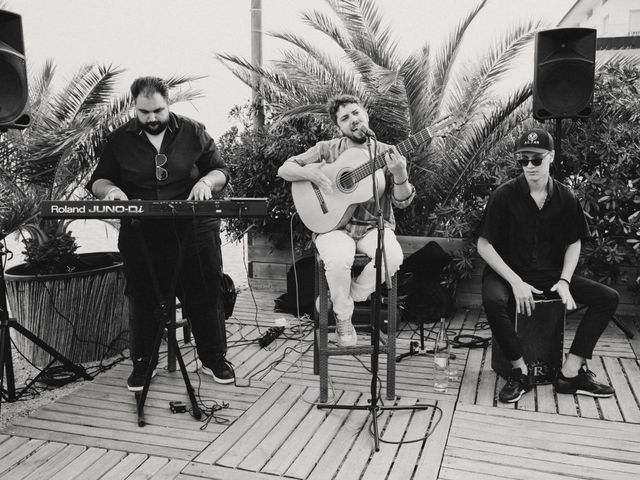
point(566, 281)
point(404, 181)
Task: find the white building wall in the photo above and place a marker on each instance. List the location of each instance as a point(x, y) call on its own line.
point(611, 18)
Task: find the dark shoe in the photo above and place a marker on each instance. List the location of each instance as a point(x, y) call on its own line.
point(517, 384)
point(135, 382)
point(221, 370)
point(583, 384)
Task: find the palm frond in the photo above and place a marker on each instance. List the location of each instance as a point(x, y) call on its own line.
point(418, 85)
point(445, 59)
point(367, 32)
point(473, 90)
point(322, 23)
point(90, 86)
point(483, 136)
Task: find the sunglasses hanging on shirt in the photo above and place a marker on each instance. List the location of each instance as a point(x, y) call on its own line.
point(161, 173)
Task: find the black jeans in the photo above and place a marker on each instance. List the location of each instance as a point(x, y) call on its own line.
point(500, 308)
point(198, 282)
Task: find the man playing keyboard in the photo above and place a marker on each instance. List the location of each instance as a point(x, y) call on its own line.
point(159, 155)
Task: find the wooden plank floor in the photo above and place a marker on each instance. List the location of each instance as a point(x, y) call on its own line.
point(270, 427)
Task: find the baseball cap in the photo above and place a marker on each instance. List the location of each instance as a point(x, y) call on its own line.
point(536, 140)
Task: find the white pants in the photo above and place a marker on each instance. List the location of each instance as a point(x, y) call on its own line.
point(337, 251)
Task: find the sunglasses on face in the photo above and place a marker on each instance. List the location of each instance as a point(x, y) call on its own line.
point(536, 159)
point(161, 173)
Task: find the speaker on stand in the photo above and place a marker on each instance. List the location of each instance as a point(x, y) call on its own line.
point(563, 79)
point(14, 93)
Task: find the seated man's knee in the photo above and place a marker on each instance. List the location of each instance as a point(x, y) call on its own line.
point(338, 263)
point(495, 303)
point(611, 297)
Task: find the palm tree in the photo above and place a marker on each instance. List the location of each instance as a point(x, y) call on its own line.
point(53, 158)
point(402, 94)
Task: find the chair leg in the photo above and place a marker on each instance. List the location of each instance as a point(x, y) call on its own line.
point(391, 339)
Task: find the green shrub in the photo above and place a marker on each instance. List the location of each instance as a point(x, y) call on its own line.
point(253, 158)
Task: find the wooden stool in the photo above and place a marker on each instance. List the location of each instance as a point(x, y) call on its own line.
point(542, 339)
point(321, 349)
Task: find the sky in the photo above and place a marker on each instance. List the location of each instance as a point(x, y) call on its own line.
point(181, 37)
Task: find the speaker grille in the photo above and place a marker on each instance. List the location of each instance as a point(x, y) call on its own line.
point(564, 73)
point(566, 87)
point(13, 98)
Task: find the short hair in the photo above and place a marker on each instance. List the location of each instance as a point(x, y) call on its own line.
point(147, 86)
point(338, 101)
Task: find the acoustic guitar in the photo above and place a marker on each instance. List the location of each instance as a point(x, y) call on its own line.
point(351, 182)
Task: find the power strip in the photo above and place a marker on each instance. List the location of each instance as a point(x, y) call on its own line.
point(270, 335)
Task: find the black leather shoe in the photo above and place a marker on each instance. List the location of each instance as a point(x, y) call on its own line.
point(583, 384)
point(517, 385)
point(220, 369)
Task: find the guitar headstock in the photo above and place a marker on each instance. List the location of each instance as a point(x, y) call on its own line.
point(443, 127)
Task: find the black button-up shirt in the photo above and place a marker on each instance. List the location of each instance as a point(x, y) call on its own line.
point(128, 160)
point(532, 240)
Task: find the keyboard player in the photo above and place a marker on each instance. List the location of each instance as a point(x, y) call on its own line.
point(159, 155)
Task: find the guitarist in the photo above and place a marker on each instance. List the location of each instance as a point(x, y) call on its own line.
point(338, 247)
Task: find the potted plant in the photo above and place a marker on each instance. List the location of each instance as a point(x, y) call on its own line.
point(52, 160)
point(74, 302)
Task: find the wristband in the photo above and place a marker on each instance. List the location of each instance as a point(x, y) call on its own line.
point(204, 180)
point(565, 280)
point(111, 190)
point(404, 181)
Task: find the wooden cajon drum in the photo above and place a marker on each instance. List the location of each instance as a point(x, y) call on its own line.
point(542, 338)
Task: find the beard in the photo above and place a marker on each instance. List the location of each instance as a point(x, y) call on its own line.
point(155, 127)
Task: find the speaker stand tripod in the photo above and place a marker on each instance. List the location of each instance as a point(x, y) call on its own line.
point(166, 319)
point(6, 359)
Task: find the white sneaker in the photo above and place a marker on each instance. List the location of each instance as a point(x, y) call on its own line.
point(347, 336)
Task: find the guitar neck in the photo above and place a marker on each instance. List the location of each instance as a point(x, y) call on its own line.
point(404, 147)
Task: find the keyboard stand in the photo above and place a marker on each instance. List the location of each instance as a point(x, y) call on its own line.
point(166, 319)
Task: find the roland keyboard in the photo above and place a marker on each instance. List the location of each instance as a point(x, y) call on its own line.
point(226, 207)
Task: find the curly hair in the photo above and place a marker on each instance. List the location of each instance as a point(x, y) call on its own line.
point(338, 101)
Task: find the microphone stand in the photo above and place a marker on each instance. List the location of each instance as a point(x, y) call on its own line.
point(373, 408)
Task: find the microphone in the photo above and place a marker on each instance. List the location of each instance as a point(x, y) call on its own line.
point(367, 131)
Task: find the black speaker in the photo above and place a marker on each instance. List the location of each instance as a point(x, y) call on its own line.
point(14, 93)
point(564, 73)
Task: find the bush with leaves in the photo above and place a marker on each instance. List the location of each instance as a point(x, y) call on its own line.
point(254, 156)
point(601, 158)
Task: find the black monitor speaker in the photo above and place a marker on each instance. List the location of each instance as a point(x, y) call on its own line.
point(563, 78)
point(14, 93)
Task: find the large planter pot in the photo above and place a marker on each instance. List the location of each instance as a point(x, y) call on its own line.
point(83, 315)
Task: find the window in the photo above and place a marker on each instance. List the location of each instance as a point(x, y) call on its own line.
point(634, 22)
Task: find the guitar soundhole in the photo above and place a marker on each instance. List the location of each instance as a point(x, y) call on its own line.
point(345, 181)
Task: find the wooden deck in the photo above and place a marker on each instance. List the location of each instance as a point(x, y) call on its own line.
point(268, 426)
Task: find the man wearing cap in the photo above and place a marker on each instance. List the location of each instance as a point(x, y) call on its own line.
point(530, 236)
